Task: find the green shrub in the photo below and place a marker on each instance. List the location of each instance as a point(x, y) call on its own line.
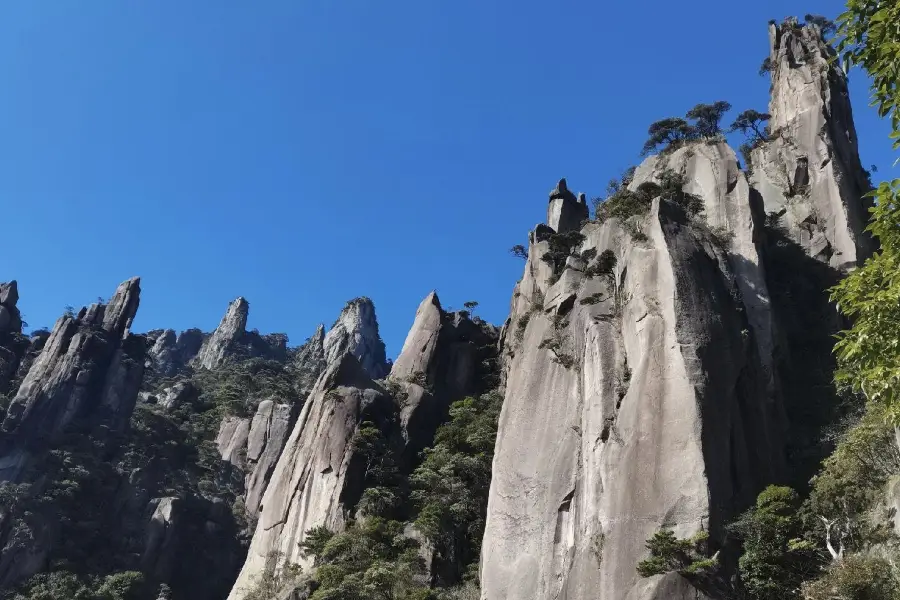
point(856, 577)
point(668, 554)
point(776, 557)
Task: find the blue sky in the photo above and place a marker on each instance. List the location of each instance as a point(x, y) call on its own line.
point(304, 152)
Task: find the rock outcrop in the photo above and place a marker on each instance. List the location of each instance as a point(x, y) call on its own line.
point(356, 332)
point(565, 212)
point(442, 360)
point(808, 173)
point(231, 330)
point(91, 366)
point(318, 479)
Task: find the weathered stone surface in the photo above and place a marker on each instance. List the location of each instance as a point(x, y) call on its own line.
point(188, 344)
point(565, 212)
point(711, 172)
point(316, 481)
point(356, 332)
point(231, 329)
point(254, 446)
point(231, 440)
point(122, 384)
point(617, 445)
point(163, 355)
point(808, 173)
point(269, 431)
point(13, 344)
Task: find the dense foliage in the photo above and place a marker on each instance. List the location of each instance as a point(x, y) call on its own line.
point(450, 487)
point(869, 353)
point(776, 557)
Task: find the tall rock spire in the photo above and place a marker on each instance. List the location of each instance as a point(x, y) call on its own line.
point(356, 332)
point(231, 329)
point(808, 172)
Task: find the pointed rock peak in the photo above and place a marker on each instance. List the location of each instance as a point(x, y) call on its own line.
point(231, 328)
point(432, 299)
point(582, 198)
point(119, 313)
point(561, 191)
point(238, 309)
point(314, 347)
point(421, 341)
point(356, 332)
point(9, 294)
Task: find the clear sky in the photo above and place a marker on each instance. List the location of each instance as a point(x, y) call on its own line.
point(303, 152)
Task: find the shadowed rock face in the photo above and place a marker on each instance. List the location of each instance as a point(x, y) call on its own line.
point(310, 361)
point(442, 360)
point(565, 212)
point(254, 446)
point(808, 173)
point(712, 173)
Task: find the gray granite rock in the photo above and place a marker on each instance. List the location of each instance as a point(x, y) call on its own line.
point(356, 332)
point(231, 329)
point(809, 174)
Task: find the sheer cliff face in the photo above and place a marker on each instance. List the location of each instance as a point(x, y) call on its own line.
point(808, 173)
point(606, 434)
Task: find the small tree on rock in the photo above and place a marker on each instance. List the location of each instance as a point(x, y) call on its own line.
point(668, 133)
point(825, 25)
point(751, 123)
point(519, 251)
point(707, 117)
